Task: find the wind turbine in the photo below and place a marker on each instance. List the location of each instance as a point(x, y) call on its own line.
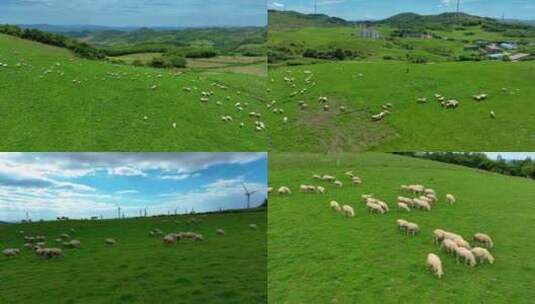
point(248, 194)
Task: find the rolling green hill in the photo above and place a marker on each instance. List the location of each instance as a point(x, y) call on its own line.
point(363, 66)
point(363, 87)
point(316, 255)
point(139, 268)
point(51, 100)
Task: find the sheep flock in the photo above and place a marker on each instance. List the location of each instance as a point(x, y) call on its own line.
point(413, 198)
point(66, 241)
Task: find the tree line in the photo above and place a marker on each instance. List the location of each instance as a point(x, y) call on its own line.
point(81, 49)
point(523, 168)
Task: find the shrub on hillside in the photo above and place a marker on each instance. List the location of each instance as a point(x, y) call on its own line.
point(137, 63)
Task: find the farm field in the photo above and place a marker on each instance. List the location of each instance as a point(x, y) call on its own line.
point(318, 255)
point(364, 87)
point(140, 268)
point(53, 101)
point(237, 64)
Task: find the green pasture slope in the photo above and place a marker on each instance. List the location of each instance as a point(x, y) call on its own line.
point(363, 87)
point(317, 256)
point(54, 101)
point(139, 268)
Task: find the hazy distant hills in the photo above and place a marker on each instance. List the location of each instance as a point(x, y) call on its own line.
point(292, 19)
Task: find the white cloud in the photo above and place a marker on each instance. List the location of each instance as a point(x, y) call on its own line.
point(126, 171)
point(127, 192)
point(277, 4)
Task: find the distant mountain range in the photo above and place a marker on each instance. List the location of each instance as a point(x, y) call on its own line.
point(78, 28)
point(292, 19)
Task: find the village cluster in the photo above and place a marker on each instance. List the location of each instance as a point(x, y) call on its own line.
point(423, 199)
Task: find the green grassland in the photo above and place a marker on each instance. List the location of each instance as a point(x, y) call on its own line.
point(238, 64)
point(363, 87)
point(139, 268)
point(51, 100)
point(382, 71)
point(318, 256)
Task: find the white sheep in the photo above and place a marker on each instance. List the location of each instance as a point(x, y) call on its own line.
point(335, 206)
point(320, 189)
point(356, 180)
point(328, 178)
point(374, 208)
point(284, 191)
point(348, 211)
point(316, 176)
point(253, 226)
point(465, 255)
point(338, 184)
point(402, 224)
point(110, 241)
point(484, 239)
point(403, 206)
point(462, 243)
point(449, 245)
point(11, 252)
point(220, 231)
point(434, 264)
point(169, 239)
point(412, 228)
point(438, 235)
point(382, 205)
point(421, 204)
point(450, 199)
point(482, 255)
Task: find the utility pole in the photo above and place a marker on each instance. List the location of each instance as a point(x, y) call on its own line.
point(458, 11)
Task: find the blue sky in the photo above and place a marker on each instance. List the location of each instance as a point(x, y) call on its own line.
point(511, 155)
point(80, 185)
point(192, 13)
point(380, 9)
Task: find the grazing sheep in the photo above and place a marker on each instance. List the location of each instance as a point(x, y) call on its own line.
point(315, 176)
point(462, 243)
point(450, 199)
point(403, 206)
point(284, 191)
point(349, 173)
point(374, 208)
point(365, 197)
point(269, 190)
point(492, 114)
point(451, 236)
point(434, 264)
point(412, 228)
point(482, 255)
point(64, 236)
point(338, 184)
point(402, 224)
point(169, 239)
point(253, 226)
point(28, 246)
point(110, 242)
point(47, 253)
point(438, 235)
point(72, 244)
point(382, 205)
point(450, 246)
point(328, 178)
point(29, 239)
point(320, 189)
point(348, 211)
point(484, 239)
point(356, 180)
point(220, 231)
point(421, 204)
point(58, 240)
point(11, 252)
point(335, 206)
point(465, 255)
